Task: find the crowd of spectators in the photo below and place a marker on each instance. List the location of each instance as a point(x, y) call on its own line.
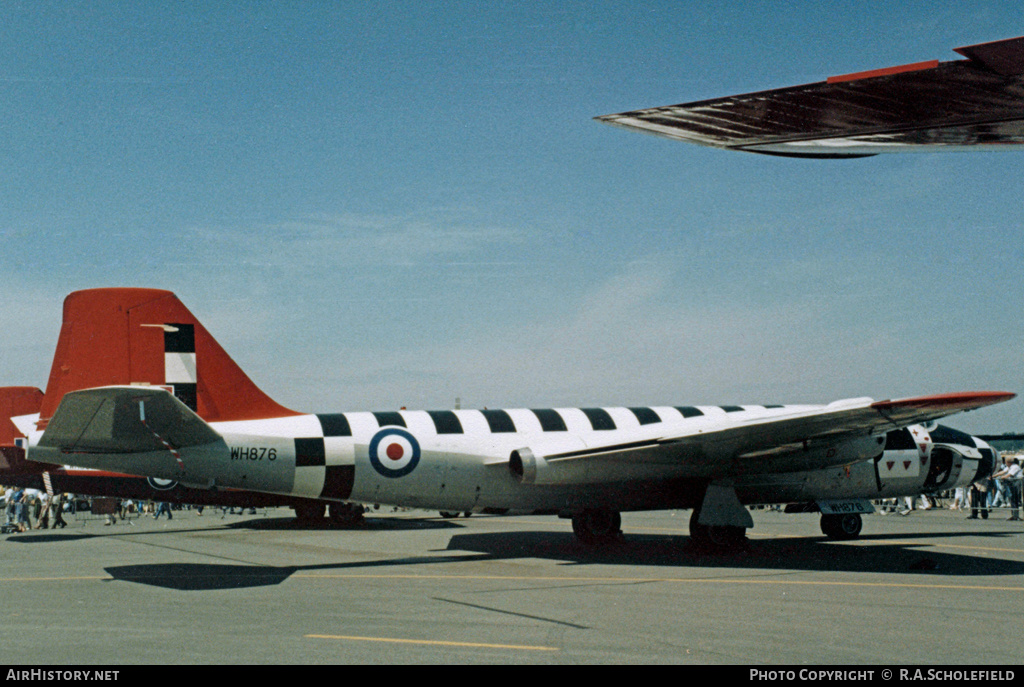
point(31, 509)
point(1001, 490)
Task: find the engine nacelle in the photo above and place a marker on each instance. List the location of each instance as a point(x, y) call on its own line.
point(535, 465)
point(934, 458)
point(916, 460)
point(530, 468)
point(523, 466)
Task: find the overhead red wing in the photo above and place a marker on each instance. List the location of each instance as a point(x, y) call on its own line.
point(972, 104)
point(910, 411)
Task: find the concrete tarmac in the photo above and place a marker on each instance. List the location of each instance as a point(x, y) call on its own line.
point(410, 587)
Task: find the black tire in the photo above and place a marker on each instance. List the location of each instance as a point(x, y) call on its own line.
point(842, 527)
point(310, 512)
point(597, 527)
point(716, 538)
point(345, 514)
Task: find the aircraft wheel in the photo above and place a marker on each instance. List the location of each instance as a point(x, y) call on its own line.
point(716, 538)
point(842, 527)
point(345, 514)
point(449, 514)
point(596, 527)
point(310, 512)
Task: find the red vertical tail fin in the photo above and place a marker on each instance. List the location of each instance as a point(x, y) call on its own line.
point(146, 336)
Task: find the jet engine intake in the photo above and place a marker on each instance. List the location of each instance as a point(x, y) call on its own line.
point(525, 466)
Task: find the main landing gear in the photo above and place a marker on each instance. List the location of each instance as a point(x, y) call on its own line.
point(346, 514)
point(309, 513)
point(597, 527)
point(449, 514)
point(716, 537)
point(339, 514)
point(841, 527)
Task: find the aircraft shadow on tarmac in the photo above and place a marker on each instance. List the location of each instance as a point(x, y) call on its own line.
point(210, 576)
point(47, 538)
point(371, 524)
point(888, 554)
point(891, 554)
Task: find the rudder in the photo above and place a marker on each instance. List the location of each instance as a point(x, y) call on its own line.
point(131, 336)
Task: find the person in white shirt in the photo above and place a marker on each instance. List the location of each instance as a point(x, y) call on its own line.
point(1013, 482)
point(1009, 480)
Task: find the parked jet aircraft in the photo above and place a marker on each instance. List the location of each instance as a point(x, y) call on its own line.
point(139, 385)
point(16, 471)
point(972, 104)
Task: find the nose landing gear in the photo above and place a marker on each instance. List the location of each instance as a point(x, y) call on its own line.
point(841, 527)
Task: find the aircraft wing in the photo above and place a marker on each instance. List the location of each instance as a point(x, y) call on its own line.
point(972, 104)
point(124, 419)
point(807, 439)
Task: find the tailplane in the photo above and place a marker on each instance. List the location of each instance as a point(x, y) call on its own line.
point(146, 337)
point(124, 419)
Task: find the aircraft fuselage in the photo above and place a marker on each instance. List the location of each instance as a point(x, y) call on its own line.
point(464, 461)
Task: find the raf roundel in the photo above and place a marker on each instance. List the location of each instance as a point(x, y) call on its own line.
point(161, 484)
point(394, 452)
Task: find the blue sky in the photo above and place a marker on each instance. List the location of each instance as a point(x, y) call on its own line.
point(384, 204)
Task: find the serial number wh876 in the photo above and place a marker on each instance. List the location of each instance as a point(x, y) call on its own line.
point(253, 453)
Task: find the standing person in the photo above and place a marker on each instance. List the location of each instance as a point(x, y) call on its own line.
point(163, 507)
point(19, 510)
point(31, 509)
point(22, 507)
point(1012, 480)
point(979, 500)
point(57, 511)
point(9, 518)
point(997, 493)
point(43, 518)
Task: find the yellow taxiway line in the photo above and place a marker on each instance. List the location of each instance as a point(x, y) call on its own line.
point(435, 642)
point(675, 580)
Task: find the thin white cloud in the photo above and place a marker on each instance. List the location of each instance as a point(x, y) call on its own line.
point(347, 239)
